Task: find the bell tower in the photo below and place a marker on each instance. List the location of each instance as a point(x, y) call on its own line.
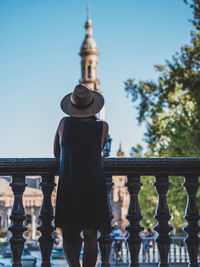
point(89, 58)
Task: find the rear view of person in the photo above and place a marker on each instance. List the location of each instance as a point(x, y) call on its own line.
point(81, 196)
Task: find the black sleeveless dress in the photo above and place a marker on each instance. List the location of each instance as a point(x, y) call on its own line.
point(81, 195)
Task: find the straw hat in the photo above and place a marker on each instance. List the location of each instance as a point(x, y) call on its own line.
point(82, 102)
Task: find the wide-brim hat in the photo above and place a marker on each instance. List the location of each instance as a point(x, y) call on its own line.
point(83, 102)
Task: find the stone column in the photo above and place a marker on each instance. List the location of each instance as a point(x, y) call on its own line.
point(162, 217)
point(33, 223)
point(8, 214)
point(192, 217)
point(105, 239)
point(46, 216)
point(17, 217)
point(134, 216)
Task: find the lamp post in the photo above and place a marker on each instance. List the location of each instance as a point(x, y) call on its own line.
point(107, 149)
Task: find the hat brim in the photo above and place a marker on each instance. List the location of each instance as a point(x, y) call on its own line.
point(68, 108)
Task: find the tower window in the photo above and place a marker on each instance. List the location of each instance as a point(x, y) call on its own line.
point(89, 72)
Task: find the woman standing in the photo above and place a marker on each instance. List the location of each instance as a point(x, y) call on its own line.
point(81, 196)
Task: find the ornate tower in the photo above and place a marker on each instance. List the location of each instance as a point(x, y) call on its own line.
point(120, 153)
point(89, 58)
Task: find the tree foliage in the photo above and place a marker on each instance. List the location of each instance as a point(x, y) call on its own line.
point(195, 5)
point(170, 108)
point(136, 152)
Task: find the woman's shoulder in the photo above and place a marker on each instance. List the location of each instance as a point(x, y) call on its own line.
point(105, 124)
point(62, 122)
point(63, 119)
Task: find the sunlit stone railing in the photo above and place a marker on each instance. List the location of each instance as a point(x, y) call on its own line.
point(161, 168)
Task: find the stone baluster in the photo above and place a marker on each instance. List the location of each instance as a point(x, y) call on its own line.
point(192, 217)
point(162, 216)
point(46, 216)
point(180, 250)
point(185, 254)
point(17, 217)
point(175, 252)
point(134, 216)
point(106, 239)
point(154, 251)
point(127, 252)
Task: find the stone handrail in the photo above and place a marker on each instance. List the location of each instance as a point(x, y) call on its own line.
point(115, 166)
point(133, 168)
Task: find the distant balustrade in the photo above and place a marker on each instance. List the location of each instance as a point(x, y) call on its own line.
point(177, 253)
point(133, 168)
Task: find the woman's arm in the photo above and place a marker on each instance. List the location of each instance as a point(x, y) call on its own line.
point(57, 139)
point(56, 145)
point(104, 135)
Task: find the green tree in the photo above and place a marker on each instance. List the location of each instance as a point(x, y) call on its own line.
point(136, 152)
point(170, 108)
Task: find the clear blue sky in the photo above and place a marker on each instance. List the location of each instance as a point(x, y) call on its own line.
point(39, 63)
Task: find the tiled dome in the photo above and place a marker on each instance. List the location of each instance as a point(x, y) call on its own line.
point(89, 44)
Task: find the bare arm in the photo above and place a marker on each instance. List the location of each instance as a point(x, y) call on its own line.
point(57, 139)
point(104, 135)
point(56, 145)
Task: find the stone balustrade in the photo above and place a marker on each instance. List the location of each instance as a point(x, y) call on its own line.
point(133, 168)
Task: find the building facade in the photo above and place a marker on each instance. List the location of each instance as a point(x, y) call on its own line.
point(120, 197)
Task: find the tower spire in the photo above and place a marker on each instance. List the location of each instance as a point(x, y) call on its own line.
point(88, 12)
point(89, 57)
point(120, 152)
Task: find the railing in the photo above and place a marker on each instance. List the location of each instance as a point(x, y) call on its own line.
point(161, 168)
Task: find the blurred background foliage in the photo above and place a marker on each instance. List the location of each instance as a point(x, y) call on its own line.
point(170, 109)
